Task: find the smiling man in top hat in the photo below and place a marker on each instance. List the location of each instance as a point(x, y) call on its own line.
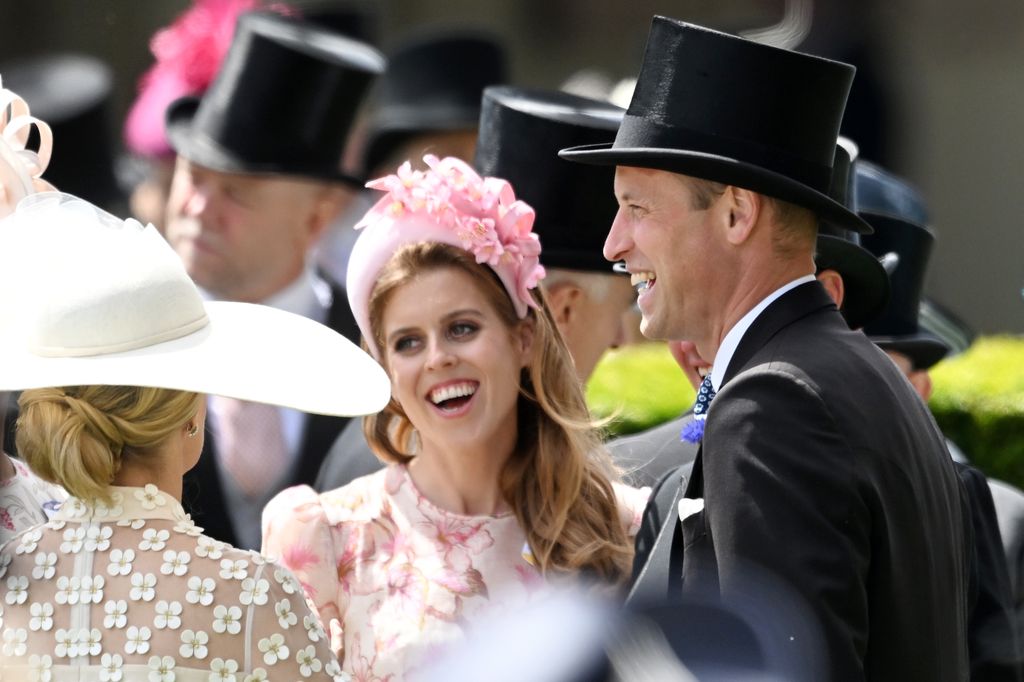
point(817, 464)
point(857, 282)
point(256, 182)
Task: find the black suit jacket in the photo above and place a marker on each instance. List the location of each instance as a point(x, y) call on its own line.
point(203, 494)
point(820, 465)
point(1009, 504)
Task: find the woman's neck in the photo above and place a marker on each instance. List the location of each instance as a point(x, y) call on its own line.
point(463, 481)
point(162, 468)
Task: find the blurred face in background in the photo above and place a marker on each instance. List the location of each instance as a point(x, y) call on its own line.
point(245, 237)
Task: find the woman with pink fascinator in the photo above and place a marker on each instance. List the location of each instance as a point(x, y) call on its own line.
point(497, 484)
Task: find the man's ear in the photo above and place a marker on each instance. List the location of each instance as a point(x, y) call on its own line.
point(921, 380)
point(328, 203)
point(833, 283)
point(563, 299)
point(740, 211)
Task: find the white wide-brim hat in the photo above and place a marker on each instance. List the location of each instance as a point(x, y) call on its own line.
point(88, 299)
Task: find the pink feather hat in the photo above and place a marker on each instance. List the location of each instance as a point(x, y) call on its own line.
point(448, 203)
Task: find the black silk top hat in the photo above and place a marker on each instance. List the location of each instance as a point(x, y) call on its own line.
point(433, 83)
point(718, 107)
point(897, 328)
point(521, 132)
point(282, 103)
point(73, 94)
point(865, 280)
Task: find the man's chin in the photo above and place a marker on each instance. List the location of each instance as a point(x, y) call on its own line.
point(651, 330)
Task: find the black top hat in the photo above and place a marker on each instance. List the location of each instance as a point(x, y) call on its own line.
point(897, 328)
point(521, 132)
point(879, 192)
point(865, 280)
point(282, 103)
point(72, 93)
point(433, 83)
point(714, 106)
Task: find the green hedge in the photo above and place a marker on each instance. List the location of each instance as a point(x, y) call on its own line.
point(978, 398)
point(979, 403)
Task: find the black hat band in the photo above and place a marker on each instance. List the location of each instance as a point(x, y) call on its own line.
point(640, 132)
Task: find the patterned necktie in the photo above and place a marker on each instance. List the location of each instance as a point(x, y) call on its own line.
point(693, 431)
point(250, 444)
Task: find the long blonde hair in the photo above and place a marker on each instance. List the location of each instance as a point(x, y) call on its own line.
point(559, 478)
point(79, 436)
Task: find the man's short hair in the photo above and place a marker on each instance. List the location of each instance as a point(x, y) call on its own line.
point(798, 226)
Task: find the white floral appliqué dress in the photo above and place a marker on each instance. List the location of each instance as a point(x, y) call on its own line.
point(134, 591)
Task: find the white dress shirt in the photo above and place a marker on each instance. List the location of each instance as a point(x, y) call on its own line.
point(732, 339)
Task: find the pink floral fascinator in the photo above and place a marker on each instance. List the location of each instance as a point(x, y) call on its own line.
point(20, 167)
point(450, 204)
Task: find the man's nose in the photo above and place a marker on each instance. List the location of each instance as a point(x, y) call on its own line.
point(618, 242)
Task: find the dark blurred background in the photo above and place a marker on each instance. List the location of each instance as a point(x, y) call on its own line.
point(938, 95)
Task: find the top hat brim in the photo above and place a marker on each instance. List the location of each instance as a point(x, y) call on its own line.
point(722, 169)
point(923, 349)
point(201, 149)
point(865, 281)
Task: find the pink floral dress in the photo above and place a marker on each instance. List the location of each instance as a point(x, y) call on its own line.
point(395, 577)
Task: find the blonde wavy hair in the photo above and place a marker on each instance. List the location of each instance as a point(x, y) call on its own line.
point(558, 480)
point(79, 436)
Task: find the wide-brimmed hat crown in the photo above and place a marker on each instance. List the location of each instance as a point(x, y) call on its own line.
point(719, 107)
point(521, 132)
point(283, 101)
point(93, 300)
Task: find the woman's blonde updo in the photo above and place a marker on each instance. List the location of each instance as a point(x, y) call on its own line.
point(79, 436)
point(559, 478)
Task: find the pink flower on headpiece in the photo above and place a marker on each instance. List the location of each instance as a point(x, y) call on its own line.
point(482, 214)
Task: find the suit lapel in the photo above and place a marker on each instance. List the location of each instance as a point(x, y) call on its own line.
point(793, 305)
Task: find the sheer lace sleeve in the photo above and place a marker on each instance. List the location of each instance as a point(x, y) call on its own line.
point(286, 640)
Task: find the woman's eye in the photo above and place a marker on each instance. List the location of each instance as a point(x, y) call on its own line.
point(406, 344)
point(462, 329)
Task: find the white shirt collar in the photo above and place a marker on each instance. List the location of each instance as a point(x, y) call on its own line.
point(732, 339)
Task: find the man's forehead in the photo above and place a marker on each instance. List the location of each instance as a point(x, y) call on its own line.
point(633, 182)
